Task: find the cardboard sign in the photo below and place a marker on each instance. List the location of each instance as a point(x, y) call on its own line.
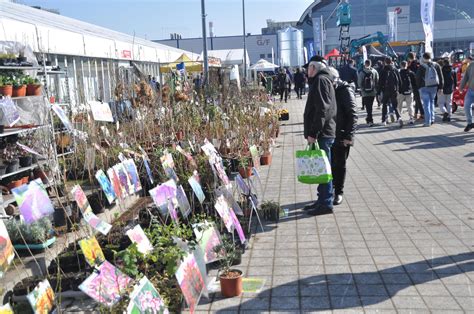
point(146, 299)
point(138, 236)
point(6, 249)
point(92, 251)
point(101, 111)
point(33, 201)
point(106, 186)
point(190, 281)
point(42, 297)
point(10, 112)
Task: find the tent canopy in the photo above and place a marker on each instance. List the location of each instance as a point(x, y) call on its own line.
point(190, 65)
point(263, 65)
point(229, 57)
point(332, 53)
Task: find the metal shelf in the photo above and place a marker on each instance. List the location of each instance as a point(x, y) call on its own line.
point(23, 169)
point(13, 131)
point(51, 72)
point(3, 67)
point(24, 97)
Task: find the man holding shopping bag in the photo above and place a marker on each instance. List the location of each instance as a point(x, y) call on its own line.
point(320, 124)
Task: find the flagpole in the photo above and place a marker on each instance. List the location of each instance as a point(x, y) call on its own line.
point(204, 44)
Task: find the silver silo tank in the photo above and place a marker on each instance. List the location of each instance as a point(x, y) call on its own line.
point(290, 45)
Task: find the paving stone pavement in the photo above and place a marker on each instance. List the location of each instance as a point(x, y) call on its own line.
point(401, 242)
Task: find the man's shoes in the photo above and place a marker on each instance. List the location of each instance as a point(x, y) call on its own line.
point(320, 210)
point(445, 117)
point(400, 122)
point(310, 206)
point(338, 199)
point(469, 127)
point(392, 117)
point(448, 119)
point(411, 122)
point(370, 124)
point(384, 123)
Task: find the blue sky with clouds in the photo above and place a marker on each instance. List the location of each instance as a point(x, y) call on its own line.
point(156, 19)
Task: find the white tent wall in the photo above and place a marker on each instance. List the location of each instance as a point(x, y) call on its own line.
point(92, 55)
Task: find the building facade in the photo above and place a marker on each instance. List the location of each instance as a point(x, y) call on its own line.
point(258, 46)
point(454, 23)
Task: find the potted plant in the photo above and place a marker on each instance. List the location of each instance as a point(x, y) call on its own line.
point(6, 85)
point(19, 87)
point(25, 159)
point(245, 167)
point(271, 210)
point(230, 279)
point(33, 87)
point(36, 236)
point(10, 159)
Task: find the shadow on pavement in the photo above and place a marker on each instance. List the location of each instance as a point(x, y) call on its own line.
point(432, 141)
point(399, 278)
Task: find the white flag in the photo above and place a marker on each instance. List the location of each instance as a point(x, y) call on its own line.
point(427, 18)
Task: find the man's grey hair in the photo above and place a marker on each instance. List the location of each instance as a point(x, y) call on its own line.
point(318, 65)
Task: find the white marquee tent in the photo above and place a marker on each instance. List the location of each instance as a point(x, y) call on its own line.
point(51, 33)
point(263, 65)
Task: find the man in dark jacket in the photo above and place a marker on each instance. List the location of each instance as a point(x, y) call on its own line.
point(299, 83)
point(346, 124)
point(283, 82)
point(445, 96)
point(429, 79)
point(413, 66)
point(320, 124)
point(389, 83)
point(348, 73)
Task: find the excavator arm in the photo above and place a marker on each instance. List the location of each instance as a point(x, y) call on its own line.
point(377, 37)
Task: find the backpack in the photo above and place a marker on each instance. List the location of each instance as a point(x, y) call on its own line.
point(368, 84)
point(431, 75)
point(406, 87)
point(391, 82)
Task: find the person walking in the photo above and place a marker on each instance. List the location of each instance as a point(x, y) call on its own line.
point(429, 79)
point(299, 83)
point(368, 81)
point(320, 124)
point(348, 73)
point(379, 67)
point(468, 81)
point(389, 84)
point(407, 81)
point(262, 79)
point(413, 66)
point(283, 81)
point(445, 96)
point(346, 125)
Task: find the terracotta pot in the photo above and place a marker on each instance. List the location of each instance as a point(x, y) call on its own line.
point(266, 159)
point(19, 91)
point(33, 90)
point(231, 287)
point(245, 172)
point(38, 173)
point(25, 180)
point(6, 90)
point(15, 184)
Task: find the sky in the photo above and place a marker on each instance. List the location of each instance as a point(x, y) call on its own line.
point(156, 19)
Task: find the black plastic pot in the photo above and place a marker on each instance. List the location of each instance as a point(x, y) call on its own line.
point(12, 166)
point(59, 217)
point(3, 169)
point(26, 161)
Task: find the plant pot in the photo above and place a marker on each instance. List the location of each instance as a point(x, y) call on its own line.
point(40, 246)
point(179, 135)
point(245, 172)
point(266, 159)
point(12, 166)
point(19, 91)
point(63, 141)
point(25, 180)
point(33, 90)
point(6, 90)
point(3, 169)
point(231, 287)
point(15, 184)
point(59, 217)
point(38, 173)
point(26, 161)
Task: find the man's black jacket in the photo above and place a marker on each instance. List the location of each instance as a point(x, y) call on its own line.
point(320, 111)
point(346, 122)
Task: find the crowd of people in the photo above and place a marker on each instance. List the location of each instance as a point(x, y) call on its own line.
point(330, 116)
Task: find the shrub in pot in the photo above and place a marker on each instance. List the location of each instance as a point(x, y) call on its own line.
point(245, 167)
point(19, 88)
point(271, 210)
point(25, 160)
point(6, 86)
point(33, 87)
point(38, 232)
point(230, 279)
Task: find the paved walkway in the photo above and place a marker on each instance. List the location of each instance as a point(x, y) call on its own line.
point(402, 241)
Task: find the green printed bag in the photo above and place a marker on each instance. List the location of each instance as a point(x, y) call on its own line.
point(312, 165)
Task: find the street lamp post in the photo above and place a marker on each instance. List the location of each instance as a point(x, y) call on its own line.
point(204, 43)
point(245, 44)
